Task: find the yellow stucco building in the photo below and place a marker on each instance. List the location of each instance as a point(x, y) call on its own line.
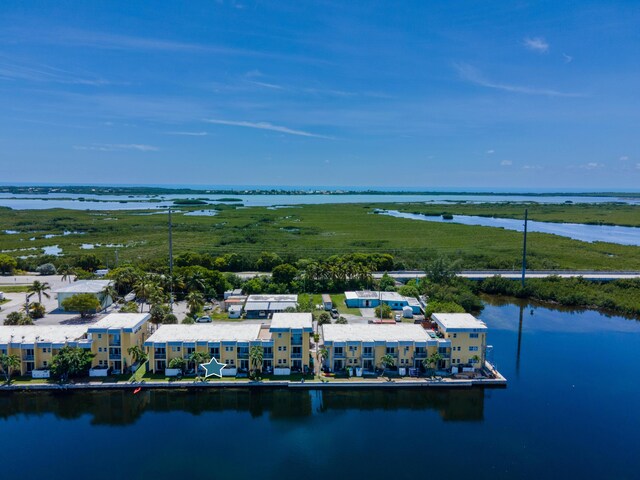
point(468, 337)
point(285, 344)
point(459, 341)
point(36, 345)
point(112, 336)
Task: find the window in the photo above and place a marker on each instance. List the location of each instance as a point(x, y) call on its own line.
point(228, 349)
point(473, 349)
point(230, 361)
point(279, 335)
point(284, 348)
point(368, 350)
point(44, 364)
point(391, 350)
point(473, 335)
point(99, 349)
point(99, 335)
point(214, 351)
point(337, 350)
point(353, 348)
point(455, 335)
point(175, 349)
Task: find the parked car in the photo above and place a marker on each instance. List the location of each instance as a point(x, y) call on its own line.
point(208, 308)
point(204, 319)
point(334, 313)
point(398, 317)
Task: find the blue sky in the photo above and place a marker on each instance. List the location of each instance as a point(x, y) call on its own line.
point(531, 95)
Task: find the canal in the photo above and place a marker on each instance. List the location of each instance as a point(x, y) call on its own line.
point(570, 410)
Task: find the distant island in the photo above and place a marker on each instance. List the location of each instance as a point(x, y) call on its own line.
point(158, 191)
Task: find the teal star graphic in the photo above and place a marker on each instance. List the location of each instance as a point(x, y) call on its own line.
point(213, 367)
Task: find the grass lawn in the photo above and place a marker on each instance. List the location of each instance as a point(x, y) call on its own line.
point(338, 302)
point(318, 231)
point(13, 288)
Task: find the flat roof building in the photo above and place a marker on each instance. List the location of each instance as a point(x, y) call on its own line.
point(263, 306)
point(364, 346)
point(371, 299)
point(93, 287)
point(285, 344)
point(458, 322)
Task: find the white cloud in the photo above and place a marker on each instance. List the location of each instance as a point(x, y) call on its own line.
point(111, 147)
point(489, 152)
point(265, 126)
point(190, 134)
point(536, 44)
point(473, 75)
point(591, 165)
point(638, 166)
point(624, 158)
point(532, 167)
point(506, 163)
point(31, 72)
point(567, 58)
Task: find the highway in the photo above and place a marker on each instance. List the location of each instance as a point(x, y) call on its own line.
point(594, 275)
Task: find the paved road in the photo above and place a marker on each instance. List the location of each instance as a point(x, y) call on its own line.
point(480, 275)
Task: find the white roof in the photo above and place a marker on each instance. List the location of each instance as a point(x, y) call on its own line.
point(118, 321)
point(30, 334)
point(205, 333)
point(292, 320)
point(368, 332)
point(458, 322)
point(371, 295)
point(272, 298)
point(85, 286)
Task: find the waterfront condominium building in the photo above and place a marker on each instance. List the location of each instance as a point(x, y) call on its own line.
point(113, 336)
point(459, 341)
point(364, 346)
point(36, 345)
point(468, 337)
point(285, 344)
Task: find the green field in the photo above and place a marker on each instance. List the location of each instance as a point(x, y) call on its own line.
point(318, 231)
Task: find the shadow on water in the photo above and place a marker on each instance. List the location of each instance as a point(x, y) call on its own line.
point(125, 408)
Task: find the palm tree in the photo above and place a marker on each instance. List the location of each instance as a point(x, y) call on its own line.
point(143, 289)
point(39, 288)
point(8, 363)
point(387, 360)
point(67, 272)
point(139, 356)
point(476, 360)
point(109, 291)
point(433, 359)
point(198, 358)
point(195, 301)
point(323, 354)
point(256, 356)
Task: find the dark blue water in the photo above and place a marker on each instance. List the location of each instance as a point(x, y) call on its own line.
point(570, 410)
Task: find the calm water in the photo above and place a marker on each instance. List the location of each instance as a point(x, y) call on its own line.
point(577, 231)
point(124, 202)
point(570, 411)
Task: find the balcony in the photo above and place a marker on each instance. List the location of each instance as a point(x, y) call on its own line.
point(296, 355)
point(28, 358)
point(160, 355)
point(367, 355)
point(114, 356)
point(115, 341)
point(296, 340)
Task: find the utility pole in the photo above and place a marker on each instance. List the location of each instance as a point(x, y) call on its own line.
point(170, 264)
point(524, 247)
